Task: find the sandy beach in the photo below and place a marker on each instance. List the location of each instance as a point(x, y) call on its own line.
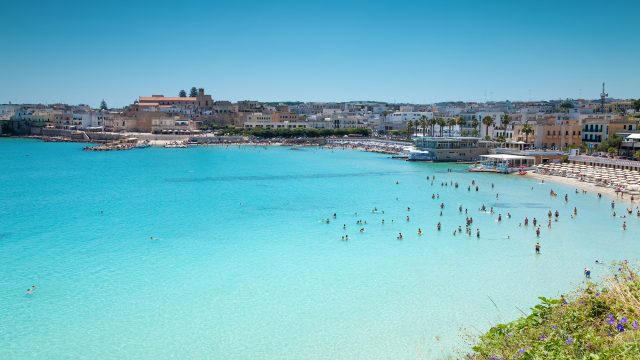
point(581, 185)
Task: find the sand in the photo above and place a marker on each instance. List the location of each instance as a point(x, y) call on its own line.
point(581, 185)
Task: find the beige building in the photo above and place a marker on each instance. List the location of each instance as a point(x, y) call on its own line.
point(172, 125)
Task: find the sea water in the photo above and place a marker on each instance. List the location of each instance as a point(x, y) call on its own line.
point(221, 253)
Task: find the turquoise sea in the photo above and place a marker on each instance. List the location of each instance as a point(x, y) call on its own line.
point(241, 265)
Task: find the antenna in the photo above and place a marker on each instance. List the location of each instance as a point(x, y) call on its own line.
point(603, 96)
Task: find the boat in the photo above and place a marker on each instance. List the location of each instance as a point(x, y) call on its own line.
point(142, 145)
point(420, 155)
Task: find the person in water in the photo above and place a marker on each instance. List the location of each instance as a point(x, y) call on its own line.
point(537, 248)
point(419, 232)
point(587, 273)
point(400, 236)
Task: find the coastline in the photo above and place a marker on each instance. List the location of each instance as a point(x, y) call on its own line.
point(585, 186)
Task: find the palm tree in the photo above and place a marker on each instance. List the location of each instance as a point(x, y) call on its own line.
point(423, 124)
point(451, 122)
point(441, 123)
point(409, 129)
point(527, 129)
point(475, 124)
point(433, 121)
point(506, 119)
point(488, 121)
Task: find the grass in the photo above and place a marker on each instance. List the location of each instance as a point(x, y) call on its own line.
point(598, 321)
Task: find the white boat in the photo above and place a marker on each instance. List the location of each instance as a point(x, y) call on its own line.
point(420, 155)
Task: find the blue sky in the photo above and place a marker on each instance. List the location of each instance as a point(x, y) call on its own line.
point(404, 51)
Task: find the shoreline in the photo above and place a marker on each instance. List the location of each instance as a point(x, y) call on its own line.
point(585, 186)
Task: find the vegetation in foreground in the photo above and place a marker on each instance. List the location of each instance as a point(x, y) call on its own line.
point(599, 321)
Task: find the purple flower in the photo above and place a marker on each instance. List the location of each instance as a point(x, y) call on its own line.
point(620, 327)
point(597, 294)
point(542, 337)
point(635, 325)
point(609, 334)
point(569, 341)
point(554, 327)
point(611, 320)
point(623, 320)
point(521, 351)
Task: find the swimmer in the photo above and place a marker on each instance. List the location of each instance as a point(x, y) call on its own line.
point(407, 218)
point(439, 226)
point(408, 209)
point(399, 236)
point(344, 226)
point(624, 225)
point(419, 232)
point(537, 248)
point(478, 233)
point(346, 238)
point(382, 221)
point(334, 215)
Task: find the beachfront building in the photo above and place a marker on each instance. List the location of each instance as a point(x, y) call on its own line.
point(449, 149)
point(173, 125)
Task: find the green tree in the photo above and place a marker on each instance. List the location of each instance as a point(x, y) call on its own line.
point(451, 123)
point(193, 92)
point(527, 129)
point(103, 105)
point(474, 125)
point(487, 121)
point(182, 93)
point(506, 119)
point(566, 105)
point(409, 129)
point(612, 151)
point(441, 123)
point(432, 122)
point(423, 124)
point(636, 105)
point(637, 155)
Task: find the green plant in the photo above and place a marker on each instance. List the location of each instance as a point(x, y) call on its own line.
point(595, 322)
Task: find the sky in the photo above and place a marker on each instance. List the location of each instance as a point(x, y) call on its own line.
point(286, 50)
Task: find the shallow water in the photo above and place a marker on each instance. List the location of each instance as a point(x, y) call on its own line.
point(241, 266)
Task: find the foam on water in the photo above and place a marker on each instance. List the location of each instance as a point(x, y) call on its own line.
point(241, 265)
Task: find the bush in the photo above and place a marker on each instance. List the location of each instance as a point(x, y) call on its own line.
point(592, 323)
